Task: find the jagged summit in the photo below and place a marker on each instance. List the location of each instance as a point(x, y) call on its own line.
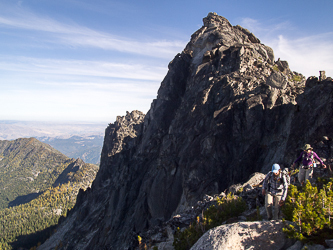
point(224, 110)
point(218, 34)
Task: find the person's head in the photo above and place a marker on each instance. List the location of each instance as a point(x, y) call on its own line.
point(276, 169)
point(307, 148)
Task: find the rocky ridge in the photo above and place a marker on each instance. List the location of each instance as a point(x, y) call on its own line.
point(224, 110)
point(249, 230)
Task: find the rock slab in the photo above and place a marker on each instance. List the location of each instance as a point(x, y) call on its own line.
point(244, 235)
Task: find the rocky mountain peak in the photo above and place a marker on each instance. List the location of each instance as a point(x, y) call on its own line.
point(213, 20)
point(224, 110)
point(218, 35)
point(123, 129)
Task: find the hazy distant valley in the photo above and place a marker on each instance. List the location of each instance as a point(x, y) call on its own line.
point(76, 140)
point(87, 148)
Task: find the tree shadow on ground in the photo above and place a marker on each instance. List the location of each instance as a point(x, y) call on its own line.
point(30, 240)
point(23, 199)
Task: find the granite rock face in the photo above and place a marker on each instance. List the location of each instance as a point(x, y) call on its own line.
point(245, 235)
point(224, 110)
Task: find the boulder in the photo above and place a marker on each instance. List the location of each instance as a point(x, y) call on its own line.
point(244, 235)
point(277, 80)
point(255, 179)
point(313, 247)
point(329, 243)
point(297, 246)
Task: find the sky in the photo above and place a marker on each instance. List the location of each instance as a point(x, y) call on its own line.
point(90, 61)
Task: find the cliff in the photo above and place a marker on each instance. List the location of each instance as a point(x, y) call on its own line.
point(225, 110)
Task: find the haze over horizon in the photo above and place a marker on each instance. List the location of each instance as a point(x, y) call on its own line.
point(82, 61)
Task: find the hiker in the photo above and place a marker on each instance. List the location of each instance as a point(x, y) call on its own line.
point(308, 163)
point(275, 187)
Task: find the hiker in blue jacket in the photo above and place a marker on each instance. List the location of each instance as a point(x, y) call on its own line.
point(274, 187)
point(308, 163)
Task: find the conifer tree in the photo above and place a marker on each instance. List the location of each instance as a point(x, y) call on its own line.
point(310, 210)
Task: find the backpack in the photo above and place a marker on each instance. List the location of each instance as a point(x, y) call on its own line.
point(285, 172)
point(311, 157)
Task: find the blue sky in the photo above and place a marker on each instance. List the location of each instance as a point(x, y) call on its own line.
point(80, 60)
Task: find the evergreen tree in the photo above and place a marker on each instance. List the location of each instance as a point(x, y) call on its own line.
point(310, 210)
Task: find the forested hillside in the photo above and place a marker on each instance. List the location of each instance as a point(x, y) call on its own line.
point(38, 185)
point(27, 168)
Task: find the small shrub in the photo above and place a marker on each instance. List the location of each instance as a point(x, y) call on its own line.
point(240, 190)
point(215, 215)
point(140, 242)
point(297, 78)
point(276, 68)
point(311, 211)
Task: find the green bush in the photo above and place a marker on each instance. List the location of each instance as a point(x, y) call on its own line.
point(311, 211)
point(215, 215)
point(276, 68)
point(297, 78)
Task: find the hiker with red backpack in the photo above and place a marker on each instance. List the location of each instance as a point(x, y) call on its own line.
point(308, 163)
point(275, 187)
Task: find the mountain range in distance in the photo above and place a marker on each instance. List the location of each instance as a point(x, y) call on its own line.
point(10, 130)
point(75, 140)
point(38, 186)
point(87, 148)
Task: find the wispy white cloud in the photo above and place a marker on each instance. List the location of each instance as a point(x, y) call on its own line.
point(93, 105)
point(75, 98)
point(263, 30)
point(76, 35)
point(160, 49)
point(83, 68)
point(306, 54)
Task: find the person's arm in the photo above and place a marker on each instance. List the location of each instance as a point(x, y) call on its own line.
point(299, 158)
point(318, 158)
